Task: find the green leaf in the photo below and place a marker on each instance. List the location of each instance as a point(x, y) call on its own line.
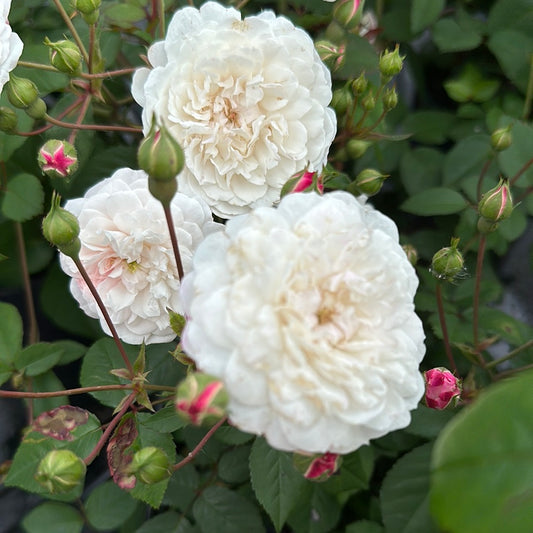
point(275, 481)
point(364, 526)
point(424, 13)
point(47, 382)
point(53, 516)
point(38, 358)
point(511, 14)
point(108, 507)
point(449, 36)
point(165, 420)
point(359, 56)
point(167, 522)
point(429, 127)
point(34, 447)
point(233, 465)
point(182, 488)
point(124, 15)
point(100, 358)
point(71, 351)
point(421, 169)
point(404, 494)
point(466, 159)
point(231, 435)
point(482, 464)
point(513, 52)
point(470, 85)
point(23, 198)
point(10, 333)
point(224, 511)
point(428, 423)
point(10, 143)
point(434, 201)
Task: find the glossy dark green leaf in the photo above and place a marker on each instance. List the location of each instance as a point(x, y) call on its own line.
point(434, 201)
point(482, 464)
point(23, 198)
point(233, 465)
point(167, 522)
point(420, 169)
point(38, 358)
point(404, 494)
point(53, 516)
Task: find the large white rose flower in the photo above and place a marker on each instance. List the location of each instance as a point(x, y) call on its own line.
point(246, 99)
point(10, 44)
point(127, 252)
point(306, 313)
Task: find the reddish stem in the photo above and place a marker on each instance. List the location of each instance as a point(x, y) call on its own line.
point(477, 288)
point(445, 337)
point(174, 240)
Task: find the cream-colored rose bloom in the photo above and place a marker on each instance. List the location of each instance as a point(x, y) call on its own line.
point(246, 99)
point(127, 252)
point(10, 44)
point(306, 313)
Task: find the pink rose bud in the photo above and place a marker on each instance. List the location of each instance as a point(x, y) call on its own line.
point(441, 388)
point(201, 399)
point(317, 467)
point(348, 13)
point(58, 159)
point(497, 204)
point(332, 55)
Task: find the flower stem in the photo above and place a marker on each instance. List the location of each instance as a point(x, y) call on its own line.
point(444, 328)
point(510, 355)
point(109, 429)
point(33, 328)
point(174, 240)
point(81, 116)
point(72, 29)
point(477, 287)
point(29, 64)
point(105, 314)
point(529, 91)
point(484, 170)
point(97, 127)
point(520, 172)
point(191, 455)
point(108, 74)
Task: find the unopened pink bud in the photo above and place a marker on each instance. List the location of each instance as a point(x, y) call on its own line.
point(317, 467)
point(201, 398)
point(441, 388)
point(58, 159)
point(307, 182)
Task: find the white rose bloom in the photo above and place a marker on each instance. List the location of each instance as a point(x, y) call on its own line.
point(306, 313)
point(127, 252)
point(246, 99)
point(10, 44)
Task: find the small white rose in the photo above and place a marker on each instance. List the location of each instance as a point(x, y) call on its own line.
point(10, 44)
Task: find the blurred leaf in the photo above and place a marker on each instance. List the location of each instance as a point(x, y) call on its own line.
point(429, 127)
point(396, 23)
point(424, 13)
point(470, 85)
point(167, 522)
point(482, 464)
point(434, 201)
point(123, 15)
point(47, 382)
point(364, 526)
point(165, 420)
point(519, 153)
point(360, 56)
point(421, 169)
point(449, 36)
point(231, 435)
point(354, 473)
point(182, 488)
point(108, 507)
point(428, 423)
point(511, 14)
point(38, 358)
point(53, 516)
point(513, 52)
point(224, 511)
point(466, 159)
point(233, 465)
point(404, 493)
point(275, 481)
point(71, 351)
point(23, 198)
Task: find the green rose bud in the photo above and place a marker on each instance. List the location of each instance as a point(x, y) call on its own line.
point(411, 253)
point(390, 99)
point(360, 84)
point(21, 92)
point(331, 54)
point(390, 63)
point(342, 100)
point(369, 181)
point(348, 13)
point(448, 263)
point(37, 109)
point(61, 229)
point(368, 102)
point(150, 465)
point(497, 204)
point(501, 139)
point(89, 9)
point(160, 155)
point(64, 56)
point(60, 471)
point(355, 148)
point(8, 120)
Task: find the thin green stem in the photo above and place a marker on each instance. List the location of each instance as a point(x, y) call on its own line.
point(109, 429)
point(520, 172)
point(39, 66)
point(33, 327)
point(529, 91)
point(484, 170)
point(72, 29)
point(477, 288)
point(510, 355)
point(508, 373)
point(444, 328)
point(108, 73)
point(105, 314)
point(199, 446)
point(96, 127)
point(174, 240)
point(82, 390)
